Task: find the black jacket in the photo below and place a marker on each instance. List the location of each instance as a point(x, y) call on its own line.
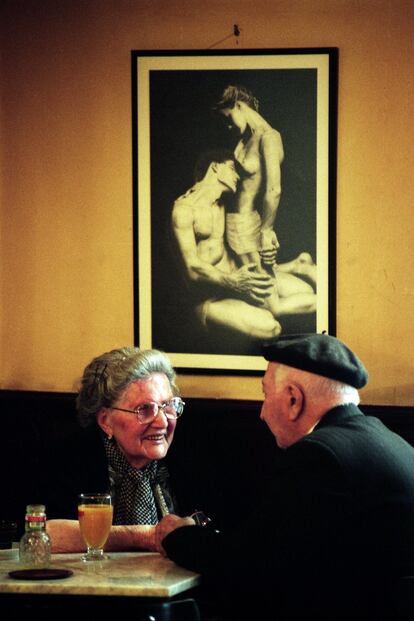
point(334, 528)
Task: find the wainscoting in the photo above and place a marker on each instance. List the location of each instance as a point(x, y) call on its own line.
point(218, 460)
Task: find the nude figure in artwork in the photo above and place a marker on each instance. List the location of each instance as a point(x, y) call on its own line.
point(250, 227)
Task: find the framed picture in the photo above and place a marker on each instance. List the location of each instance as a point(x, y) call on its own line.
point(234, 186)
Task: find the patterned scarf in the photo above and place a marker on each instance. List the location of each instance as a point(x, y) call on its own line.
point(131, 488)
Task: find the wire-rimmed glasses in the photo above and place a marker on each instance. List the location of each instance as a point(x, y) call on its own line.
point(146, 412)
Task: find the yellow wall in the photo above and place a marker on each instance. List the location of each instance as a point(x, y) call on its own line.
point(66, 202)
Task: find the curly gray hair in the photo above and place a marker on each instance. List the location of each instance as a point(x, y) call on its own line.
point(106, 377)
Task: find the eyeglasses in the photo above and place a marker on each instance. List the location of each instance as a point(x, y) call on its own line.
point(148, 411)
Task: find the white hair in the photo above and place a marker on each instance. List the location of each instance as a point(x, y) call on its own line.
point(318, 387)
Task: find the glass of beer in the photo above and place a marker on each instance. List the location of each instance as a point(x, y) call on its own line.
point(95, 520)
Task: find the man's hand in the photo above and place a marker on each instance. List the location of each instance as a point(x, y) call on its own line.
point(166, 525)
point(269, 246)
point(255, 285)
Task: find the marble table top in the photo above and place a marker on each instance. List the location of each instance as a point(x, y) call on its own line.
point(137, 574)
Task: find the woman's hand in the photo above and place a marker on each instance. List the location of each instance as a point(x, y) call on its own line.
point(166, 525)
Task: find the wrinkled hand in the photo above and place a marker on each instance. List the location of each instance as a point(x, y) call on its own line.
point(166, 525)
point(256, 285)
point(269, 247)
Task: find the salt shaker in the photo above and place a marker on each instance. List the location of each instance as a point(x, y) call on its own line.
point(35, 545)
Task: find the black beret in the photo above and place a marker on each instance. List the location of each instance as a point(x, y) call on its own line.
point(318, 353)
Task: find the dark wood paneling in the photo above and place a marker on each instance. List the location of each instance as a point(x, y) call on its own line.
point(219, 458)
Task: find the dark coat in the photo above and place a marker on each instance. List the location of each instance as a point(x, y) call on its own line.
point(334, 528)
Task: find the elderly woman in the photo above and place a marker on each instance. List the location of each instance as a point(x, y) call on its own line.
point(128, 405)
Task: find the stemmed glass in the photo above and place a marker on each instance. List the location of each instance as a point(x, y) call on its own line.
point(95, 520)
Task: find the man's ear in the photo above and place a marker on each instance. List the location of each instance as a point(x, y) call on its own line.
point(213, 166)
point(102, 418)
point(296, 401)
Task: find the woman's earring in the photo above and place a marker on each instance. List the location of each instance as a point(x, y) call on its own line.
point(109, 436)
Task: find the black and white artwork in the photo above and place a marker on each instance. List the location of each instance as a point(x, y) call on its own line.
point(234, 202)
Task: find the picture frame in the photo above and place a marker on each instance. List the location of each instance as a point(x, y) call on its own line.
point(197, 293)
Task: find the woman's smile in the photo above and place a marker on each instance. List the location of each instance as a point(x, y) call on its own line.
point(143, 443)
point(156, 437)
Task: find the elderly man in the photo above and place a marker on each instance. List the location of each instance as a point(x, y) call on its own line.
point(336, 526)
